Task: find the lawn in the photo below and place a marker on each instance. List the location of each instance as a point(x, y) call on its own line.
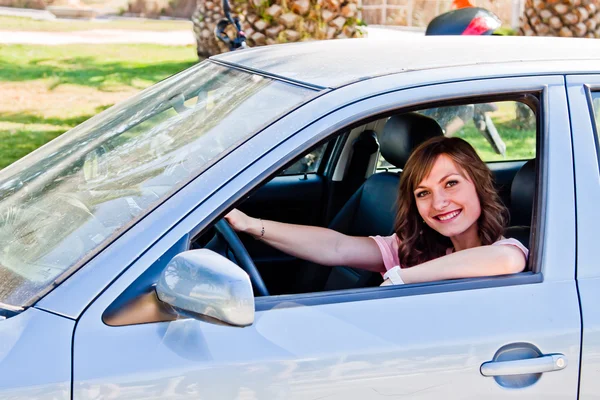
point(520, 144)
point(47, 90)
point(63, 25)
point(519, 140)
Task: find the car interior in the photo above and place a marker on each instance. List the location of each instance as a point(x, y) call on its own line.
point(350, 184)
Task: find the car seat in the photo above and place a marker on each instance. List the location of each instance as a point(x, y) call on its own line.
point(522, 193)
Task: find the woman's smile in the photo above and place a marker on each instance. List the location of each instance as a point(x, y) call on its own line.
point(448, 217)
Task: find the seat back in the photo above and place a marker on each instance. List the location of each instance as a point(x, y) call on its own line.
point(522, 192)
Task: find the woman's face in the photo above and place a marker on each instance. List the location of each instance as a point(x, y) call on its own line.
point(447, 200)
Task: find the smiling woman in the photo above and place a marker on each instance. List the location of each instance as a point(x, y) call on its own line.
point(449, 224)
point(454, 203)
point(448, 203)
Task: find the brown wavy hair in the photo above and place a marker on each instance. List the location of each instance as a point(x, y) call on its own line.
point(419, 242)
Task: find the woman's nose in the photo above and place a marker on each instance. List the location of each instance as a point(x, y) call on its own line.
point(440, 200)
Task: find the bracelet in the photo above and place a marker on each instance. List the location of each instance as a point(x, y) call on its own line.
point(262, 229)
point(394, 276)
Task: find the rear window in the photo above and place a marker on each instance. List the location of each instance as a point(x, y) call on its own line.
point(499, 131)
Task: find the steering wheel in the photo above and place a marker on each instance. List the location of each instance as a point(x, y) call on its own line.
point(241, 254)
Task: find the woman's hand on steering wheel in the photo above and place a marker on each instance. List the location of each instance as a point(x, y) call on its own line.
point(241, 254)
point(239, 221)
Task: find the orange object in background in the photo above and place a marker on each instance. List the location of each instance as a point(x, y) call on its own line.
point(461, 4)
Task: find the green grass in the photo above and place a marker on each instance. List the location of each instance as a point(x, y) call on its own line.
point(33, 119)
point(17, 143)
point(520, 144)
point(519, 140)
point(21, 133)
point(46, 90)
point(97, 66)
point(28, 24)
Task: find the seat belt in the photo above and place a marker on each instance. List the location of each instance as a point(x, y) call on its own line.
point(363, 147)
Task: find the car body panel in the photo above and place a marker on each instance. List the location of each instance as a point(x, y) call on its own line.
point(588, 219)
point(35, 356)
point(427, 346)
point(431, 346)
point(345, 61)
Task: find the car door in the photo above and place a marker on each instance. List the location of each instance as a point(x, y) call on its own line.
point(584, 98)
point(424, 341)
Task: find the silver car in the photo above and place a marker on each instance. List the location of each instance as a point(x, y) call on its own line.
point(120, 280)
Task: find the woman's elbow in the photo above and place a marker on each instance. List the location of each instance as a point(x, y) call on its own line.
point(514, 261)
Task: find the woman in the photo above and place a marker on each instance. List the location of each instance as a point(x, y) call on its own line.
point(449, 224)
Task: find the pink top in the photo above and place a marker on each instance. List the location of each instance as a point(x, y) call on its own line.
point(388, 246)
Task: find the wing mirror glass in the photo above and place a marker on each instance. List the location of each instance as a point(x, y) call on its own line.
point(202, 283)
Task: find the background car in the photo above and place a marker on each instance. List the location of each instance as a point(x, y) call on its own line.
point(98, 224)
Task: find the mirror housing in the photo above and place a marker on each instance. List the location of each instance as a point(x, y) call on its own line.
point(202, 283)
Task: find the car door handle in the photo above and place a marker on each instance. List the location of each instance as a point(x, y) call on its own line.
point(538, 365)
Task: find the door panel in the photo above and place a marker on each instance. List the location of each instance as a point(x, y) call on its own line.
point(423, 347)
point(397, 342)
point(588, 218)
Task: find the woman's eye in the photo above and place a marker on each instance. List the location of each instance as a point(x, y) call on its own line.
point(451, 183)
point(421, 194)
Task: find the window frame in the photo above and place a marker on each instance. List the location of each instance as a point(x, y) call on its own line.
point(587, 169)
point(589, 94)
point(529, 276)
point(533, 276)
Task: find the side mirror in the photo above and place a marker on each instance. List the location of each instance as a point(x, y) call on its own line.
point(202, 283)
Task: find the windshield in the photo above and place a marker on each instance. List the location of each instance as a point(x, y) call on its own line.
point(77, 193)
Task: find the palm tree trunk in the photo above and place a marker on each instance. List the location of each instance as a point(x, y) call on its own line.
point(567, 18)
point(278, 21)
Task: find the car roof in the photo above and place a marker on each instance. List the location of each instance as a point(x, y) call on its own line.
point(333, 63)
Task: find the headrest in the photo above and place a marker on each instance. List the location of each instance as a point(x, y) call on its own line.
point(522, 192)
point(403, 133)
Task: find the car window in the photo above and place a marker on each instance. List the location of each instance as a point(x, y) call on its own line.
point(68, 199)
point(309, 164)
point(499, 131)
point(514, 137)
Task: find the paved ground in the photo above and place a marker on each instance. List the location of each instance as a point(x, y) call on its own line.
point(26, 12)
point(170, 38)
point(96, 36)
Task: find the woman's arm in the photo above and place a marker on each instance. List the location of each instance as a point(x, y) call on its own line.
point(469, 263)
point(320, 245)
